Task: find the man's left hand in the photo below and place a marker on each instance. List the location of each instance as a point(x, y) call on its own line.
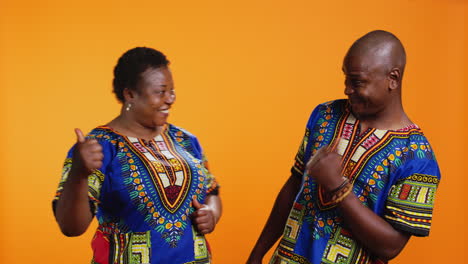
point(325, 168)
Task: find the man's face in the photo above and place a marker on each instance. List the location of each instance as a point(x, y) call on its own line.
point(366, 85)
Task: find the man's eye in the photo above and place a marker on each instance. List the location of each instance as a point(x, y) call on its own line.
point(356, 83)
point(353, 82)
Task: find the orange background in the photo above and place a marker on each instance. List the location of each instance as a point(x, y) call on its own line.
point(248, 74)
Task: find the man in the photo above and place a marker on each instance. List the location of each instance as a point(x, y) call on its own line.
point(364, 177)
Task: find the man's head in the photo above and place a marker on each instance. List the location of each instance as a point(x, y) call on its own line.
point(374, 67)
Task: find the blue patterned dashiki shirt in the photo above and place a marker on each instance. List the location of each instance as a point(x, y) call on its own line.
point(394, 173)
point(142, 197)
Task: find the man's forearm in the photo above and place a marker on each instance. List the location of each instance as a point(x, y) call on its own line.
point(377, 235)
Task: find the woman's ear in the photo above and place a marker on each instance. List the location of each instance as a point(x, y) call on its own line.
point(128, 95)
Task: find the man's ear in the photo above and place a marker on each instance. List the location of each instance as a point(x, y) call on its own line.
point(395, 79)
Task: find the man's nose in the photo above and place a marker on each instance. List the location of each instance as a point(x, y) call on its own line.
point(348, 89)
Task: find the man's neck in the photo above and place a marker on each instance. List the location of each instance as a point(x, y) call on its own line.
point(392, 118)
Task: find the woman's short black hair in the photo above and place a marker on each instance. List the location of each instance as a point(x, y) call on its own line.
point(131, 64)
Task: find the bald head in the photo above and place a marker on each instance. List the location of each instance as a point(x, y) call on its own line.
point(380, 49)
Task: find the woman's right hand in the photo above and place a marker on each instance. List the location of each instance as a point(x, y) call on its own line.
point(73, 211)
point(87, 155)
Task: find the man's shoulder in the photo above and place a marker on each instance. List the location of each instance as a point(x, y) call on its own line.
point(416, 136)
point(331, 107)
point(328, 112)
point(336, 105)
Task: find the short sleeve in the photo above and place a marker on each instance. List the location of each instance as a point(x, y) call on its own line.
point(410, 202)
point(299, 163)
point(95, 180)
point(302, 155)
point(211, 184)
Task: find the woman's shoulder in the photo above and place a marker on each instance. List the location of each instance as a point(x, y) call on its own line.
point(106, 137)
point(179, 132)
point(185, 139)
point(105, 134)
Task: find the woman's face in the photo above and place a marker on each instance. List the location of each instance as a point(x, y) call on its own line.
point(153, 97)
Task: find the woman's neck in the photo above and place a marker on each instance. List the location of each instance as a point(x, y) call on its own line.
point(130, 127)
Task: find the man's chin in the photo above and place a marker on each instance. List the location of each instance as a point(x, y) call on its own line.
point(359, 112)
point(356, 109)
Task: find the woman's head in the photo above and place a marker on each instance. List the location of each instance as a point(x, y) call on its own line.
point(144, 84)
point(127, 72)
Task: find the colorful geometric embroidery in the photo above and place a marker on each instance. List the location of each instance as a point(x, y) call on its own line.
point(172, 183)
point(410, 203)
point(347, 131)
point(147, 186)
point(341, 248)
point(169, 171)
point(130, 248)
point(338, 249)
point(118, 247)
point(293, 226)
point(370, 141)
point(200, 247)
point(95, 181)
point(287, 257)
point(299, 165)
point(373, 160)
point(210, 184)
point(291, 232)
point(140, 248)
point(171, 230)
point(122, 248)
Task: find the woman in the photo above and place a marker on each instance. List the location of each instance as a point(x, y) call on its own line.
point(146, 181)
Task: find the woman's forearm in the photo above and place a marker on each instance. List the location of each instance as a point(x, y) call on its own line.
point(72, 211)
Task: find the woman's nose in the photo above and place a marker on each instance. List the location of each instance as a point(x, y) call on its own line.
point(169, 97)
